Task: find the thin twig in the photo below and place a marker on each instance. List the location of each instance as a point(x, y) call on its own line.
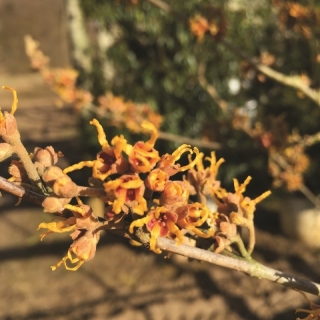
point(294, 81)
point(21, 192)
point(160, 4)
point(194, 142)
point(251, 268)
point(211, 90)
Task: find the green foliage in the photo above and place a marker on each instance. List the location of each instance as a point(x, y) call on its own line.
point(156, 60)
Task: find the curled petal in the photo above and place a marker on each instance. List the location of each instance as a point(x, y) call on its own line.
point(101, 134)
point(157, 180)
point(128, 190)
point(148, 126)
point(60, 226)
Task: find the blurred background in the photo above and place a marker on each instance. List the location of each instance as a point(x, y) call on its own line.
point(193, 68)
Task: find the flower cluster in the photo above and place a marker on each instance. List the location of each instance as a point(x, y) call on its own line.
point(63, 82)
point(211, 21)
point(139, 185)
point(139, 190)
point(287, 158)
point(295, 16)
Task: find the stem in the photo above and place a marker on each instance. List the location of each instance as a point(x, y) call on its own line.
point(90, 192)
point(243, 251)
point(160, 4)
point(21, 192)
point(252, 237)
point(211, 90)
point(250, 267)
point(32, 173)
point(293, 81)
point(194, 142)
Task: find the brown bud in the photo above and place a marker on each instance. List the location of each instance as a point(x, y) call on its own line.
point(51, 175)
point(46, 157)
point(18, 171)
point(65, 187)
point(8, 127)
point(53, 205)
point(85, 245)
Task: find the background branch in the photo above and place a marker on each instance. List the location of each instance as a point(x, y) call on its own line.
point(211, 90)
point(294, 81)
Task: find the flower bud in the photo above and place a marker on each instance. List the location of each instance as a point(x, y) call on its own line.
point(156, 180)
point(65, 187)
point(46, 157)
point(53, 205)
point(18, 171)
point(8, 126)
point(51, 175)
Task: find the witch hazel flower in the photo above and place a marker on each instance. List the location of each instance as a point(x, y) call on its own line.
point(128, 190)
point(143, 156)
point(194, 215)
point(205, 179)
point(85, 228)
point(168, 163)
point(109, 161)
point(160, 222)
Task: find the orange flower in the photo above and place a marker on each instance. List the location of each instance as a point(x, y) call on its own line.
point(17, 170)
point(8, 123)
point(175, 194)
point(84, 248)
point(204, 179)
point(167, 161)
point(109, 161)
point(127, 113)
point(142, 156)
point(192, 216)
point(128, 190)
point(161, 222)
point(199, 26)
point(85, 226)
point(226, 234)
point(247, 205)
point(237, 203)
point(157, 180)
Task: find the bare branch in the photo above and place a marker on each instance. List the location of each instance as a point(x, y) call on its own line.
point(160, 4)
point(211, 90)
point(21, 192)
point(194, 142)
point(294, 81)
point(250, 267)
point(290, 81)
